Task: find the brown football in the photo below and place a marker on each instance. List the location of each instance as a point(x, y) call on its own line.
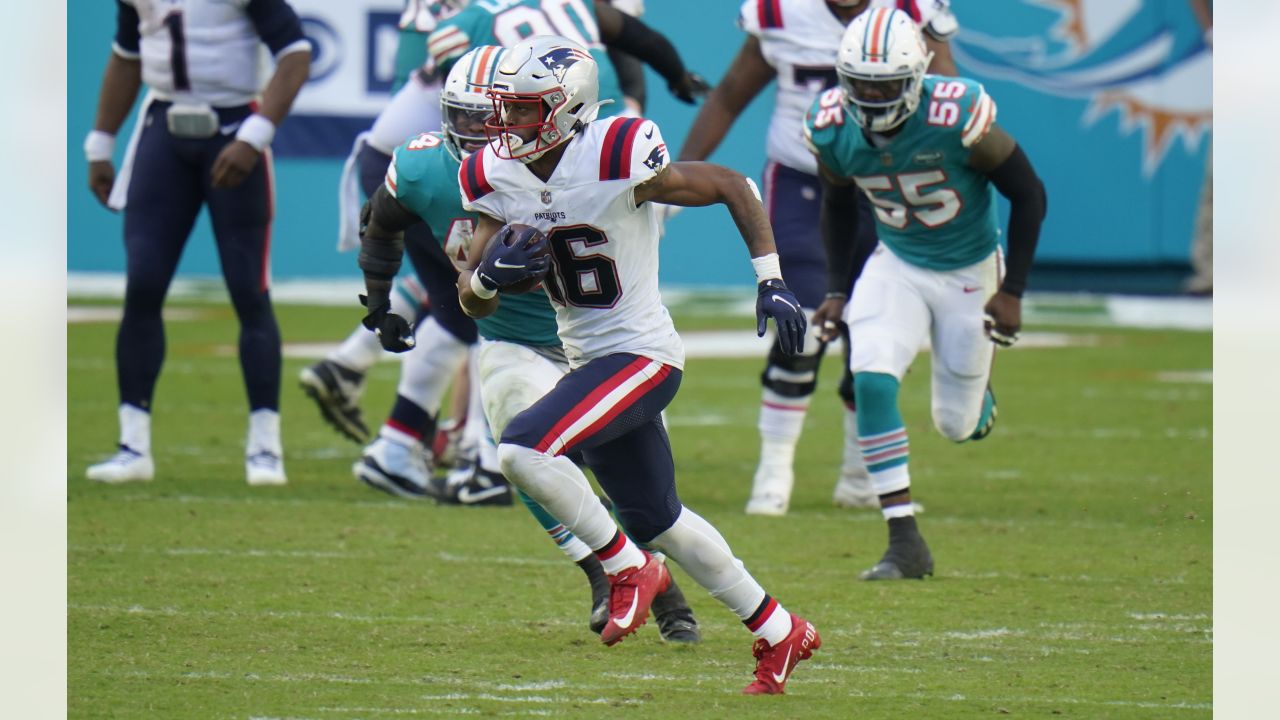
point(521, 235)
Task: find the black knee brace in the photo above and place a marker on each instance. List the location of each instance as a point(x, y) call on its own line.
point(792, 375)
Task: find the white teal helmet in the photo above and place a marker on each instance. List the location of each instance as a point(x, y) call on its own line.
point(465, 106)
point(881, 65)
point(554, 76)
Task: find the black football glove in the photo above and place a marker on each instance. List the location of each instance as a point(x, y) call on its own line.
point(393, 331)
point(690, 88)
point(774, 300)
point(506, 264)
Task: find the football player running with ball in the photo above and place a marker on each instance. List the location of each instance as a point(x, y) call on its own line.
point(519, 357)
point(590, 187)
point(927, 152)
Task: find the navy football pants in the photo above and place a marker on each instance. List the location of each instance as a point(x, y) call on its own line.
point(171, 181)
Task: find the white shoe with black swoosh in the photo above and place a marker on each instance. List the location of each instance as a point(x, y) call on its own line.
point(470, 484)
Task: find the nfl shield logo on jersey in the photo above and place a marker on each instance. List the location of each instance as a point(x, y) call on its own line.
point(546, 197)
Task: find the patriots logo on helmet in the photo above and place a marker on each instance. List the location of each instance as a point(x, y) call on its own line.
point(657, 158)
point(560, 59)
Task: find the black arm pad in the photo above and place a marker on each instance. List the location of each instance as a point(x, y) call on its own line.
point(652, 47)
point(382, 223)
point(1017, 181)
point(838, 219)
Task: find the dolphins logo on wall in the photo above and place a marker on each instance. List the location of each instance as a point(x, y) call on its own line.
point(1146, 60)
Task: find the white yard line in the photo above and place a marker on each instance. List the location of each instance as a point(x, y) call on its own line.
point(537, 700)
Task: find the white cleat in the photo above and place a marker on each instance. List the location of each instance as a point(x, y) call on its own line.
point(264, 468)
point(394, 468)
point(127, 465)
point(771, 492)
point(854, 490)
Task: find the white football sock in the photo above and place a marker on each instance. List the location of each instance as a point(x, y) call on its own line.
point(359, 352)
point(775, 627)
point(781, 420)
point(430, 366)
point(853, 465)
point(135, 428)
point(264, 433)
point(561, 488)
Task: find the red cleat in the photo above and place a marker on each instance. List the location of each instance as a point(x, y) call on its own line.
point(774, 664)
point(631, 592)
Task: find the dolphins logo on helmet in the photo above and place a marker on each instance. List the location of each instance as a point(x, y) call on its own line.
point(464, 102)
point(881, 65)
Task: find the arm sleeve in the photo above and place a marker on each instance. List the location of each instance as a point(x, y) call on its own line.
point(127, 39)
point(445, 45)
point(642, 41)
point(1016, 180)
point(278, 26)
point(838, 220)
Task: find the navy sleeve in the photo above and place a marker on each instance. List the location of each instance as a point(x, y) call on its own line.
point(276, 23)
point(127, 36)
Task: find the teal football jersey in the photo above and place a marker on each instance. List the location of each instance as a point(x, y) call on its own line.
point(507, 22)
point(417, 20)
point(423, 176)
point(931, 208)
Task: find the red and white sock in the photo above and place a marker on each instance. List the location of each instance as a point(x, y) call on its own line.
point(620, 554)
point(770, 621)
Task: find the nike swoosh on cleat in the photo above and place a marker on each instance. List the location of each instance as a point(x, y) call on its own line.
point(466, 495)
point(625, 621)
point(971, 289)
point(788, 303)
point(786, 661)
point(500, 264)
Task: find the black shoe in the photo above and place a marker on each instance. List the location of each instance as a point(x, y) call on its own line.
point(471, 485)
point(675, 618)
point(907, 557)
point(336, 391)
point(599, 592)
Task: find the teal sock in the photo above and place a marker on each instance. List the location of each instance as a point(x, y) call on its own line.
point(558, 532)
point(882, 435)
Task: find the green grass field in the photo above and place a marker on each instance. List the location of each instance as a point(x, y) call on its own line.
point(1073, 551)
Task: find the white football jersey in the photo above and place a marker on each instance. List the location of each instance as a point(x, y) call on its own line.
point(604, 278)
point(206, 50)
point(800, 40)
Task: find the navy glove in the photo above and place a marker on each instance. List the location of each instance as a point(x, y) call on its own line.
point(774, 300)
point(393, 331)
point(515, 253)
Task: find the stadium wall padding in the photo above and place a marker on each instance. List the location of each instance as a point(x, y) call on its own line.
point(1113, 107)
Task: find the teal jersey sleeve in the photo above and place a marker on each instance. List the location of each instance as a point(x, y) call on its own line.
point(931, 208)
point(423, 176)
point(507, 22)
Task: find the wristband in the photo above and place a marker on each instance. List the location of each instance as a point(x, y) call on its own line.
point(767, 267)
point(257, 131)
point(99, 146)
point(478, 287)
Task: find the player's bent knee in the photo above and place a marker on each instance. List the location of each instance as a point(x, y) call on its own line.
point(956, 426)
point(793, 375)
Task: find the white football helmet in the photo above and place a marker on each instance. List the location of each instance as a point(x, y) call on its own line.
point(881, 64)
point(465, 106)
point(548, 84)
